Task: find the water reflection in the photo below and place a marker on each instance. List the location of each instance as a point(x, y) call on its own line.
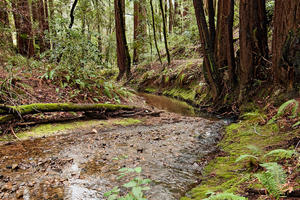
point(169, 104)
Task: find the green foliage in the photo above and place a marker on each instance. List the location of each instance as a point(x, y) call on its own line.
point(225, 196)
point(246, 157)
point(281, 153)
point(282, 109)
point(135, 187)
point(273, 178)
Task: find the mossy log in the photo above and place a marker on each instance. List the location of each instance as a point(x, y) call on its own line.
point(10, 112)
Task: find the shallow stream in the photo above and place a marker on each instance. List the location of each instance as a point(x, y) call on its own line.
point(83, 165)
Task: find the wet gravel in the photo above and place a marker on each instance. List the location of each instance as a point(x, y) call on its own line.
point(85, 164)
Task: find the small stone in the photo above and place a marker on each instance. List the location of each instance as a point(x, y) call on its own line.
point(31, 184)
point(7, 187)
point(15, 166)
point(19, 194)
point(14, 188)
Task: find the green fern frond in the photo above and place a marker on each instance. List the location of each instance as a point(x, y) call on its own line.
point(246, 156)
point(273, 178)
point(225, 196)
point(256, 150)
point(281, 153)
point(296, 124)
point(282, 108)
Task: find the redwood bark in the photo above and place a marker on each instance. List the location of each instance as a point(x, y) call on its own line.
point(224, 50)
point(213, 78)
point(253, 41)
point(123, 56)
point(4, 23)
point(285, 47)
point(140, 30)
point(23, 26)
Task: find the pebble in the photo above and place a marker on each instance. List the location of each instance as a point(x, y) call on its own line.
point(19, 194)
point(7, 187)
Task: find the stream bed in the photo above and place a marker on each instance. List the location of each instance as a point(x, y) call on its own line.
point(84, 164)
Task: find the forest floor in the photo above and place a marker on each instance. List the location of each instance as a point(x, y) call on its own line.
point(84, 163)
point(80, 159)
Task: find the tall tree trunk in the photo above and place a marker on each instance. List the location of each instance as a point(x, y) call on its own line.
point(98, 17)
point(213, 78)
point(123, 56)
point(224, 50)
point(154, 31)
point(140, 30)
point(23, 26)
point(5, 35)
point(165, 32)
point(177, 14)
point(171, 16)
point(42, 26)
point(285, 44)
point(253, 41)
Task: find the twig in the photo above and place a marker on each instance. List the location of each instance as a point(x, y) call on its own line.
point(297, 144)
point(13, 132)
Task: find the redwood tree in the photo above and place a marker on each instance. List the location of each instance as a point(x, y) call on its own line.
point(23, 26)
point(140, 29)
point(207, 44)
point(4, 23)
point(253, 41)
point(286, 45)
point(123, 56)
point(224, 51)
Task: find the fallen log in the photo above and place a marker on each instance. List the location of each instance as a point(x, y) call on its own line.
point(11, 112)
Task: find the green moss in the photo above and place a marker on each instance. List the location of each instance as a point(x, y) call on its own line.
point(223, 174)
point(127, 122)
point(184, 94)
point(62, 128)
point(150, 90)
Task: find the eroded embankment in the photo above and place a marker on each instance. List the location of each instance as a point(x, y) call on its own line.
point(85, 164)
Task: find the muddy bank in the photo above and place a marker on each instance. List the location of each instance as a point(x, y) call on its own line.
point(84, 165)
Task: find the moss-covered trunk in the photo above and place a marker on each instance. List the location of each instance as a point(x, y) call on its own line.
point(11, 112)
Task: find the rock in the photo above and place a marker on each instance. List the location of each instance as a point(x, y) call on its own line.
point(7, 187)
point(31, 184)
point(14, 166)
point(14, 188)
point(19, 194)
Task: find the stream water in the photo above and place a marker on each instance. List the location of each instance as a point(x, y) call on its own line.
point(84, 164)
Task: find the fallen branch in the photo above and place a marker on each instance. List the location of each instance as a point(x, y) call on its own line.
point(13, 112)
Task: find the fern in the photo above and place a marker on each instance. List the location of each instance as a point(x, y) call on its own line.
point(281, 153)
point(282, 108)
point(273, 178)
point(296, 124)
point(246, 156)
point(225, 196)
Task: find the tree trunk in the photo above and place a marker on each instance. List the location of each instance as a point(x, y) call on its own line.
point(154, 31)
point(43, 26)
point(253, 42)
point(11, 112)
point(140, 30)
point(5, 35)
point(171, 16)
point(213, 78)
point(224, 51)
point(123, 56)
point(165, 32)
point(285, 44)
point(23, 26)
